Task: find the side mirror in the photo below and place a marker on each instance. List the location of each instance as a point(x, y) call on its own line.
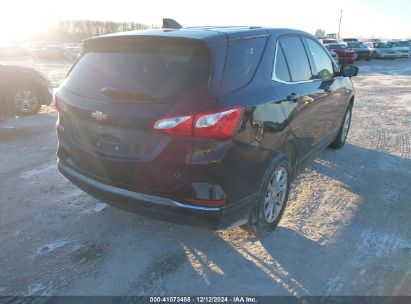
point(348, 70)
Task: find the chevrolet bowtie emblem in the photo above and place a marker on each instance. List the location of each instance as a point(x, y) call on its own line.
point(99, 115)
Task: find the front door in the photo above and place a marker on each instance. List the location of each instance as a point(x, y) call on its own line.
point(304, 79)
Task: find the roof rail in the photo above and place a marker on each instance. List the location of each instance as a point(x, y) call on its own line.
point(171, 24)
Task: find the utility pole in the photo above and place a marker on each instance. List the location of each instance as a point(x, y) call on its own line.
point(339, 25)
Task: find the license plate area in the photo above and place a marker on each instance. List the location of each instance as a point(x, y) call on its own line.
point(110, 141)
point(109, 144)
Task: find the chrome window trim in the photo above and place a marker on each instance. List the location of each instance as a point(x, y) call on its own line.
point(276, 79)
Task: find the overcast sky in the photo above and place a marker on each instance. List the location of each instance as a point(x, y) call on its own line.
point(386, 19)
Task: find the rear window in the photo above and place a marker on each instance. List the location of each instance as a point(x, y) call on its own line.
point(154, 70)
point(242, 60)
point(398, 44)
point(337, 47)
point(380, 45)
point(355, 44)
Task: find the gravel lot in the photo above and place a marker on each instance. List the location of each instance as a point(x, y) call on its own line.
point(346, 230)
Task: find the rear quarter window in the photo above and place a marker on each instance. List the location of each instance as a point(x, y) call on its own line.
point(242, 60)
point(281, 68)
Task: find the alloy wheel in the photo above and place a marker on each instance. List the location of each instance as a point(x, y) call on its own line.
point(275, 195)
point(25, 101)
point(346, 125)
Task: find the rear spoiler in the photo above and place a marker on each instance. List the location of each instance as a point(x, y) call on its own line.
point(171, 24)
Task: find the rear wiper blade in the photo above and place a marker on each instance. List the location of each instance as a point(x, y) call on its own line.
point(126, 95)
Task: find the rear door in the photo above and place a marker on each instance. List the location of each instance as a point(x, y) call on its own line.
point(115, 93)
point(303, 95)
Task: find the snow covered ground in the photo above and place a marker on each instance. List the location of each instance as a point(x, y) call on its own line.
point(346, 230)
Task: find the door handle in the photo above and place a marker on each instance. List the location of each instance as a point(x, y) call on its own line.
point(293, 97)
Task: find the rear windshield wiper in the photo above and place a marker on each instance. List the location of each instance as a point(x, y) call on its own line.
point(126, 95)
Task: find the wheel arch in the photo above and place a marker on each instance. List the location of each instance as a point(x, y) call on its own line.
point(289, 150)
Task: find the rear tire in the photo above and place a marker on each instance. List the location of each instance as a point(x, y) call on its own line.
point(339, 141)
point(25, 99)
point(272, 197)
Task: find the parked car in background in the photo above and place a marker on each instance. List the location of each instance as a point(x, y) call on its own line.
point(333, 55)
point(23, 90)
point(373, 40)
point(362, 51)
point(204, 126)
point(73, 50)
point(328, 40)
point(13, 51)
point(345, 55)
point(401, 48)
point(350, 39)
point(50, 52)
point(381, 50)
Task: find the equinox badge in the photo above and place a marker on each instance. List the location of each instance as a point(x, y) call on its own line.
point(99, 115)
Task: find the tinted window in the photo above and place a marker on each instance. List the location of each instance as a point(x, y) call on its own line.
point(322, 65)
point(380, 45)
point(243, 57)
point(355, 44)
point(281, 69)
point(155, 71)
point(337, 47)
point(398, 44)
point(296, 58)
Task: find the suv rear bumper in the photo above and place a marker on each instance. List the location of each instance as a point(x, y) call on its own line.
point(162, 208)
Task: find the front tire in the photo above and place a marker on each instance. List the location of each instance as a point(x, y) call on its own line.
point(25, 100)
point(339, 141)
point(272, 197)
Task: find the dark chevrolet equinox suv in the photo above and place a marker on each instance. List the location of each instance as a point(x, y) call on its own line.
point(204, 126)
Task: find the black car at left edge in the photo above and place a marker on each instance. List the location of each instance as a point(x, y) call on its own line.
point(23, 90)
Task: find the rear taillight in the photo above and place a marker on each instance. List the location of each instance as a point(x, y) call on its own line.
point(59, 104)
point(221, 124)
point(177, 125)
